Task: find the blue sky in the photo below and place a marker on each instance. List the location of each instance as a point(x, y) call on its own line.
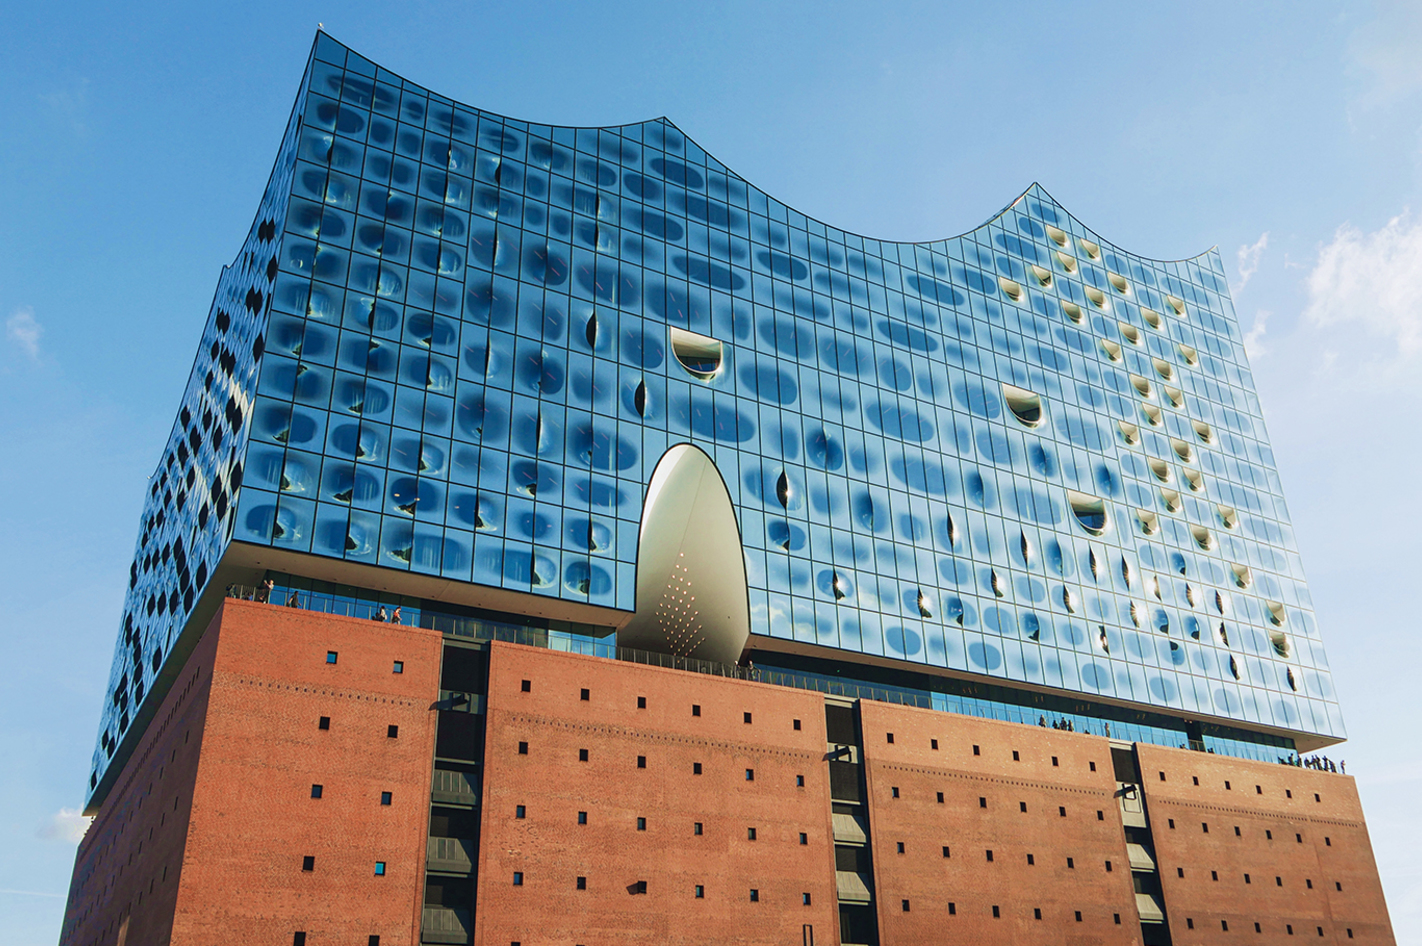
point(137, 139)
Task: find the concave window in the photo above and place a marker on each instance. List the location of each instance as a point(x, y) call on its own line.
point(1118, 282)
point(998, 587)
point(1142, 386)
point(1202, 430)
point(1135, 614)
point(1277, 617)
point(1191, 356)
point(1097, 297)
point(1281, 643)
point(1233, 667)
point(699, 355)
point(1131, 433)
point(1293, 681)
point(1229, 516)
point(1010, 288)
point(1161, 469)
point(1112, 350)
point(1150, 522)
point(1069, 600)
point(1152, 413)
point(1163, 368)
point(1092, 249)
point(1243, 576)
point(1057, 234)
point(1090, 511)
point(1176, 303)
point(1202, 537)
point(1025, 406)
point(1195, 478)
point(1182, 450)
point(1171, 498)
point(1068, 262)
point(1129, 332)
point(1221, 604)
point(1152, 317)
point(1153, 586)
point(1222, 635)
point(1127, 574)
point(924, 605)
point(1073, 311)
point(1044, 276)
point(1175, 396)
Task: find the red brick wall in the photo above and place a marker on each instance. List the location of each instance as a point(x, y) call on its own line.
point(929, 881)
point(1255, 798)
point(552, 850)
point(126, 871)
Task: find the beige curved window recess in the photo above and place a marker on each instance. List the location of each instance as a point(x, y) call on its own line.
point(1142, 386)
point(1112, 350)
point(1293, 680)
point(1221, 602)
point(1010, 288)
point(1161, 469)
point(1091, 249)
point(1135, 614)
point(1058, 235)
point(1042, 275)
point(1203, 431)
point(1163, 368)
point(1025, 405)
point(998, 587)
point(1151, 318)
point(1191, 356)
point(1203, 537)
point(925, 606)
point(1281, 643)
point(1175, 396)
point(1243, 576)
point(1182, 450)
point(1101, 640)
point(1153, 586)
point(1229, 517)
point(1277, 617)
point(1131, 433)
point(1190, 599)
point(1172, 500)
point(1152, 414)
point(1073, 311)
point(1129, 332)
point(1233, 667)
point(1176, 303)
point(1118, 282)
point(1097, 297)
point(699, 355)
point(1069, 600)
point(1094, 563)
point(1194, 479)
point(1068, 263)
point(1149, 521)
point(1090, 511)
point(1222, 634)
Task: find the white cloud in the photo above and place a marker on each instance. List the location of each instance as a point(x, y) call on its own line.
point(71, 105)
point(67, 825)
point(1371, 281)
point(1249, 260)
point(22, 329)
point(1254, 338)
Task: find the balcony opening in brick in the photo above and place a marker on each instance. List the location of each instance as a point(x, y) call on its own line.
point(901, 847)
point(1036, 913)
point(996, 912)
point(940, 798)
point(952, 908)
point(582, 817)
point(527, 686)
point(1031, 861)
point(750, 775)
point(977, 750)
point(308, 863)
point(933, 744)
point(946, 852)
point(582, 755)
point(1061, 811)
point(641, 762)
point(894, 789)
point(518, 878)
point(582, 883)
point(982, 802)
point(1022, 806)
point(523, 748)
point(989, 855)
point(385, 798)
point(380, 868)
point(695, 709)
point(323, 723)
point(805, 899)
point(316, 791)
point(641, 824)
point(754, 895)
point(520, 811)
point(1078, 916)
point(747, 717)
point(641, 702)
point(804, 838)
point(700, 893)
point(392, 731)
point(1071, 863)
point(584, 695)
point(795, 723)
point(399, 667)
point(1100, 815)
point(1016, 757)
point(696, 828)
point(330, 656)
point(696, 768)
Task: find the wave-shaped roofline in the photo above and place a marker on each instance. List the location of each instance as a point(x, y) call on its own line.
point(1090, 233)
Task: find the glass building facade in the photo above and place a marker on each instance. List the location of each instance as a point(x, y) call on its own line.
point(458, 345)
